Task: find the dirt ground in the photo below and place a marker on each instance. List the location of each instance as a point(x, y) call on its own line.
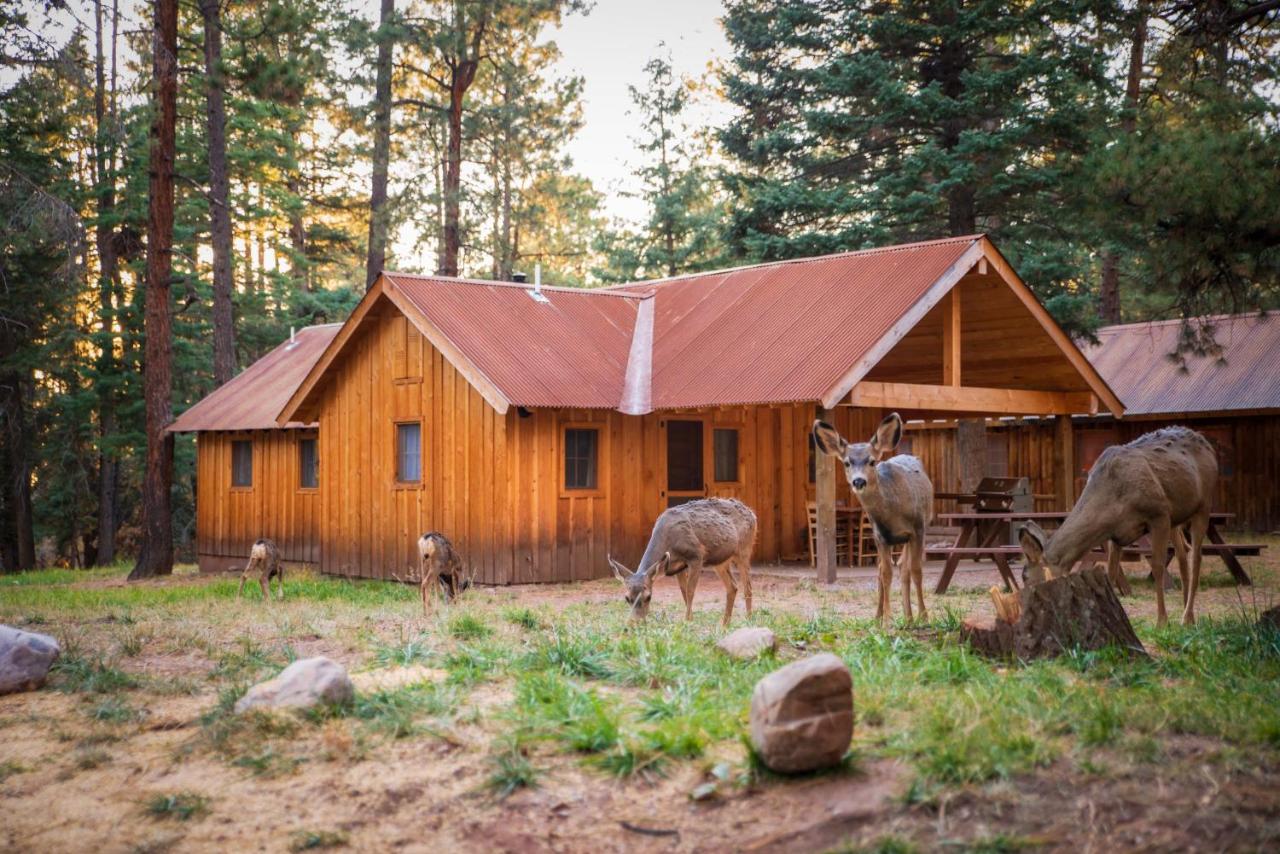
point(77, 784)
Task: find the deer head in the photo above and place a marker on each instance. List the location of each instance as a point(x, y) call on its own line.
point(860, 458)
point(638, 586)
point(1033, 540)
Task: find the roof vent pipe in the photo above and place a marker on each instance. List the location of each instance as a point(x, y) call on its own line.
point(293, 338)
point(536, 293)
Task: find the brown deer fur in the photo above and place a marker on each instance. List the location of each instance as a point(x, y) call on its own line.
point(439, 563)
point(715, 532)
point(264, 558)
point(897, 495)
point(1154, 485)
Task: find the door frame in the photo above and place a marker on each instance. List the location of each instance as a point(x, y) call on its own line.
point(665, 494)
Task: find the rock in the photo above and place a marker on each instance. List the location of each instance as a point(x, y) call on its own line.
point(25, 659)
point(748, 642)
point(303, 684)
point(802, 715)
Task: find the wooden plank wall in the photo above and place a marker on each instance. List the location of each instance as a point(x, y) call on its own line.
point(229, 520)
point(1249, 453)
point(492, 483)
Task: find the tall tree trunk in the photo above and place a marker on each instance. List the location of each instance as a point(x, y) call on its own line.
point(377, 257)
point(15, 468)
point(156, 557)
point(453, 182)
point(108, 273)
point(962, 217)
point(298, 268)
point(224, 333)
point(1109, 290)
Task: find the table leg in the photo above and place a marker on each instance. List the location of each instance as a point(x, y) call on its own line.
point(1002, 563)
point(1214, 536)
point(967, 529)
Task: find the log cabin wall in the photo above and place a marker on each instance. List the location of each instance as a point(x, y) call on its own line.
point(275, 505)
point(494, 484)
point(1248, 457)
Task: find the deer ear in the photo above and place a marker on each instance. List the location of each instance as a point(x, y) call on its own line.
point(828, 439)
point(619, 571)
point(887, 436)
point(1032, 539)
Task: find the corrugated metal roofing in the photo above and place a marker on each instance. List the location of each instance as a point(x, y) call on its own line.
point(1136, 361)
point(785, 331)
point(569, 351)
point(253, 398)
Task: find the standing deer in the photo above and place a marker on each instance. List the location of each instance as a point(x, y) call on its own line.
point(439, 563)
point(898, 497)
point(715, 532)
point(1154, 485)
point(265, 558)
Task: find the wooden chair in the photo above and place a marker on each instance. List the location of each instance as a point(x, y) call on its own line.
point(842, 538)
point(864, 541)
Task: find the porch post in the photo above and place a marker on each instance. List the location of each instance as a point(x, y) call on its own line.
point(1064, 459)
point(825, 495)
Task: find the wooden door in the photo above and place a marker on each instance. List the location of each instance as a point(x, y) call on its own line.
point(686, 471)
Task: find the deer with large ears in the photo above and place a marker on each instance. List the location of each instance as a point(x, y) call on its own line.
point(1154, 485)
point(897, 495)
point(715, 532)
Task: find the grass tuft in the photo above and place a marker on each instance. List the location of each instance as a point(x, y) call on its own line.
point(313, 840)
point(181, 806)
point(467, 626)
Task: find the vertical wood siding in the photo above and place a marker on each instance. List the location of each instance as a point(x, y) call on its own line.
point(229, 519)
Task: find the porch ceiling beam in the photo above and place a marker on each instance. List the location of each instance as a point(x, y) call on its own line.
point(941, 398)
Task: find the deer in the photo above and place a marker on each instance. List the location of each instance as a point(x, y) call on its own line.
point(1157, 484)
point(440, 564)
point(264, 557)
point(715, 532)
point(897, 495)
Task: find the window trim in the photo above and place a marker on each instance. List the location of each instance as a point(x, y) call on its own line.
point(396, 482)
point(247, 439)
point(602, 460)
point(738, 463)
point(308, 437)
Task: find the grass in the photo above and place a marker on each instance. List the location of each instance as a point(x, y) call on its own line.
point(314, 840)
point(511, 770)
point(179, 806)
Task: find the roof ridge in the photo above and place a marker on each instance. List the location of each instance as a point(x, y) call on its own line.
point(1116, 327)
point(524, 286)
point(895, 247)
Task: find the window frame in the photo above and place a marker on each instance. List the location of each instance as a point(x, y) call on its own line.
point(738, 461)
point(314, 439)
point(235, 442)
point(602, 467)
point(397, 483)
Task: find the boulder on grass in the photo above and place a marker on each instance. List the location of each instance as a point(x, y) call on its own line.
point(748, 642)
point(25, 659)
point(303, 684)
point(802, 715)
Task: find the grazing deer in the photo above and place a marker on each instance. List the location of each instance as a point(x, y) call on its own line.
point(439, 563)
point(1154, 485)
point(265, 558)
point(898, 497)
point(715, 532)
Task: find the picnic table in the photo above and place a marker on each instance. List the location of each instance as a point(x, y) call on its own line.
point(970, 544)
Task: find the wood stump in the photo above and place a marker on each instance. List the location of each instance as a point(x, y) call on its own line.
point(1077, 611)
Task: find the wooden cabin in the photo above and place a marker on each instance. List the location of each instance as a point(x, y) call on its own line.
point(1232, 397)
point(544, 428)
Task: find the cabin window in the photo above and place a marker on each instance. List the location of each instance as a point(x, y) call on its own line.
point(725, 454)
point(242, 463)
point(308, 464)
point(581, 458)
point(409, 452)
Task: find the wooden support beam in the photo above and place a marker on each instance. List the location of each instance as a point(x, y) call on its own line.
point(999, 401)
point(825, 495)
point(1064, 462)
point(951, 338)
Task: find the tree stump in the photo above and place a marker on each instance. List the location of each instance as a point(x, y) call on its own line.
point(1078, 611)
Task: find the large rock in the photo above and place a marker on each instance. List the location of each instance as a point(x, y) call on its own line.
point(748, 642)
point(303, 684)
point(802, 715)
point(25, 659)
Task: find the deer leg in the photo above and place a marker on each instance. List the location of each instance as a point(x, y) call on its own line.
point(730, 592)
point(917, 572)
point(904, 576)
point(744, 569)
point(1116, 572)
point(264, 581)
point(1180, 552)
point(430, 581)
point(686, 594)
point(884, 561)
point(1159, 543)
point(240, 589)
point(1198, 527)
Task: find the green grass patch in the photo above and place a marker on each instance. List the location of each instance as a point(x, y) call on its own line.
point(180, 806)
point(314, 840)
point(466, 626)
point(511, 770)
point(79, 674)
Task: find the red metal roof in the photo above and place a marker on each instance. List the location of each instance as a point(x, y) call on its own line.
point(785, 331)
point(253, 398)
point(1136, 361)
point(570, 351)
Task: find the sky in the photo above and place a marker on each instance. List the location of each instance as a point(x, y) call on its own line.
point(608, 47)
